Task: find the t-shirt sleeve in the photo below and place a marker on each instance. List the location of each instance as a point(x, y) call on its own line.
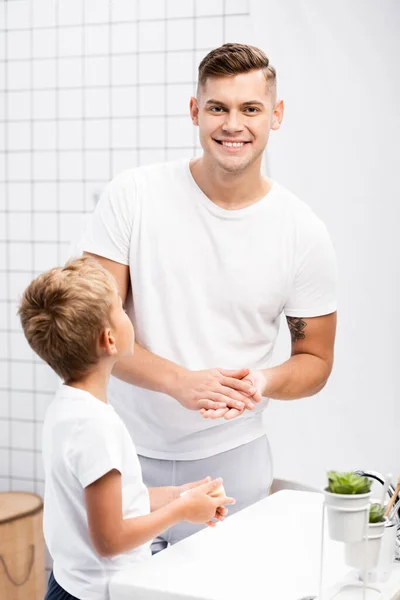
point(313, 291)
point(109, 228)
point(95, 449)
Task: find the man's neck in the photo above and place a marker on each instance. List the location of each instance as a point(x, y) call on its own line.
point(95, 382)
point(228, 190)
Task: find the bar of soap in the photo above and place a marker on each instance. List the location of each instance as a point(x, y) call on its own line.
point(218, 492)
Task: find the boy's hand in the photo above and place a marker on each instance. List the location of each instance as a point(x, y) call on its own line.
point(199, 506)
point(181, 489)
point(221, 511)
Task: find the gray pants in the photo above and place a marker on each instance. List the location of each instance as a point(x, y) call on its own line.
point(246, 471)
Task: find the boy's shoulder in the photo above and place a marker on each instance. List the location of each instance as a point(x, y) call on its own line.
point(74, 404)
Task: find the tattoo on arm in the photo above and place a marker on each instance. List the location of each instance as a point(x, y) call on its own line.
point(296, 327)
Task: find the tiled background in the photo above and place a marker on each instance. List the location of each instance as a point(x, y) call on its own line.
point(87, 89)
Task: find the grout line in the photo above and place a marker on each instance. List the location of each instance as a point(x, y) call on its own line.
point(83, 107)
point(32, 198)
point(7, 249)
point(57, 136)
point(69, 88)
point(110, 90)
point(165, 82)
point(127, 22)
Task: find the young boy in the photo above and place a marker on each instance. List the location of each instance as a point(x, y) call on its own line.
point(98, 515)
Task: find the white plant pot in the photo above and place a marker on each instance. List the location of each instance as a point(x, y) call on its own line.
point(365, 554)
point(347, 515)
point(388, 550)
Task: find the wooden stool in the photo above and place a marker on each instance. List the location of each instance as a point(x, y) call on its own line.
point(22, 550)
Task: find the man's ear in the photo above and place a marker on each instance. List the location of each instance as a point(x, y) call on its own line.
point(277, 116)
point(194, 110)
point(107, 342)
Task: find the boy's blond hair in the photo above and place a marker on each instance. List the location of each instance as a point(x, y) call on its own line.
point(63, 312)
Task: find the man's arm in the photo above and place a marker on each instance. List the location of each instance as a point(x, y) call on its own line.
point(210, 388)
point(306, 371)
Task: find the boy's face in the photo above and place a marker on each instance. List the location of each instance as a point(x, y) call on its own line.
point(122, 329)
point(235, 115)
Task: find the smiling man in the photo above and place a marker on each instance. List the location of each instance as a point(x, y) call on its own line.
point(207, 255)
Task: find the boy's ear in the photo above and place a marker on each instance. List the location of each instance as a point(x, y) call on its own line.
point(107, 342)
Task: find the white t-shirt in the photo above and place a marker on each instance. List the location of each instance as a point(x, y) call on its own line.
point(208, 288)
point(83, 439)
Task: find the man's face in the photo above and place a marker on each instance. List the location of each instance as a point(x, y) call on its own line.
point(235, 115)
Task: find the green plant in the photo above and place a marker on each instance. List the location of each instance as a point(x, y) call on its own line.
point(376, 513)
point(347, 483)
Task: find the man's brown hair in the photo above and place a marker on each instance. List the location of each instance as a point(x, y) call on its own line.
point(233, 59)
point(63, 313)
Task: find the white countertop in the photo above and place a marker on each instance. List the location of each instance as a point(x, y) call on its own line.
point(269, 551)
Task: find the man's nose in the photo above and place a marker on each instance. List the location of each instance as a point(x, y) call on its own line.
point(233, 122)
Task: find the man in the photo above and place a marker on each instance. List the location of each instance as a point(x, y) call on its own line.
point(207, 254)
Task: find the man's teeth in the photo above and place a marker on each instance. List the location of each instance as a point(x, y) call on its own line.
point(233, 144)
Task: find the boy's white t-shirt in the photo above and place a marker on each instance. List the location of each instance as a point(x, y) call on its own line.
point(83, 439)
point(208, 288)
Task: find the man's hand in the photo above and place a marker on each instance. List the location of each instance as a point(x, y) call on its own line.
point(215, 389)
point(257, 380)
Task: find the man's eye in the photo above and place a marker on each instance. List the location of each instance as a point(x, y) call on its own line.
point(252, 110)
point(216, 109)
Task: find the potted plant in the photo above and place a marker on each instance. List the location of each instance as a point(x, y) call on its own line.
point(347, 499)
point(365, 555)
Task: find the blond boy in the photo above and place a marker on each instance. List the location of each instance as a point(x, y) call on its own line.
point(98, 515)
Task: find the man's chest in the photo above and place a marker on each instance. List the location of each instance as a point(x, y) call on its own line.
point(245, 265)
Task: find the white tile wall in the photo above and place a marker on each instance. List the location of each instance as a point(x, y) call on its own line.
point(151, 68)
point(4, 409)
point(70, 12)
point(44, 136)
point(96, 70)
point(44, 196)
point(180, 34)
point(97, 11)
point(19, 196)
point(124, 102)
point(209, 32)
point(18, 105)
point(180, 67)
point(96, 39)
point(44, 43)
point(19, 226)
point(210, 7)
point(44, 74)
point(97, 133)
point(93, 87)
point(22, 405)
point(19, 76)
point(177, 8)
point(153, 9)
point(70, 72)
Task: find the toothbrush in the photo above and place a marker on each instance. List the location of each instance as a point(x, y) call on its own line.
point(386, 484)
point(393, 498)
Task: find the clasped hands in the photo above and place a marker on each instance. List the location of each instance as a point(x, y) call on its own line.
point(219, 393)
